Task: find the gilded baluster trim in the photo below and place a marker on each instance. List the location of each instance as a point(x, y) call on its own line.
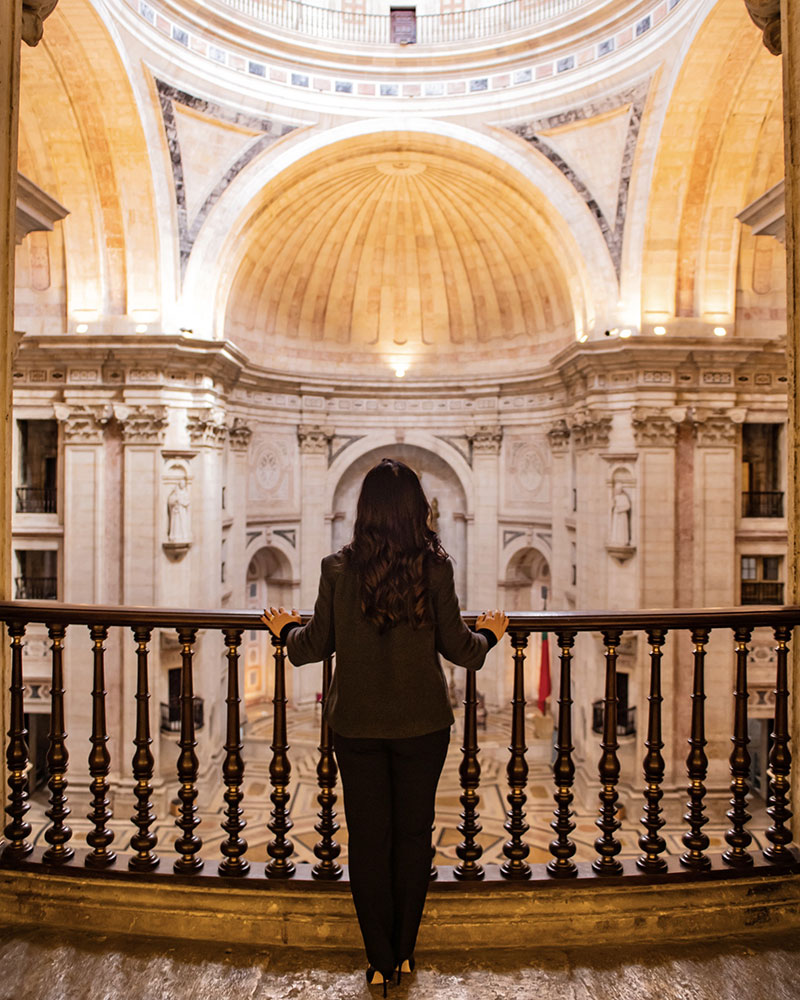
point(780, 758)
point(18, 829)
point(58, 833)
point(188, 844)
point(101, 837)
point(280, 848)
point(563, 848)
point(651, 842)
point(326, 850)
point(144, 840)
point(737, 837)
point(515, 850)
point(694, 840)
point(606, 845)
point(234, 846)
point(469, 850)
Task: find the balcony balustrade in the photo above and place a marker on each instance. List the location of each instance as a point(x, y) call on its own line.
point(762, 592)
point(171, 715)
point(767, 503)
point(689, 628)
point(376, 29)
point(626, 719)
point(36, 588)
point(36, 499)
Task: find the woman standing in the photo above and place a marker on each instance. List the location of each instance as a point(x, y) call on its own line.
point(387, 606)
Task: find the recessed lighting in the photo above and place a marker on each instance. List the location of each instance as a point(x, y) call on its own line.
point(659, 331)
point(625, 333)
point(720, 331)
point(141, 327)
point(400, 370)
point(82, 328)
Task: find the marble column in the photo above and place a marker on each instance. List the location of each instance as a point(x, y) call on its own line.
point(235, 512)
point(560, 568)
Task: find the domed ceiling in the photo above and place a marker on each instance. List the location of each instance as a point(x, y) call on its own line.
point(398, 247)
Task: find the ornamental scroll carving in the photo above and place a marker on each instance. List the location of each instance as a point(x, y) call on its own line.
point(766, 14)
point(34, 13)
point(591, 429)
point(656, 428)
point(83, 424)
point(558, 435)
point(239, 434)
point(314, 440)
point(486, 439)
point(206, 426)
point(142, 424)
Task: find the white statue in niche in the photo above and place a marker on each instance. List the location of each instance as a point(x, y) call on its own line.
point(621, 509)
point(178, 503)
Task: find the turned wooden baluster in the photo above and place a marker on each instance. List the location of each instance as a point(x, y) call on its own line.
point(326, 850)
point(562, 848)
point(188, 844)
point(780, 759)
point(280, 848)
point(469, 850)
point(18, 830)
point(234, 846)
point(737, 837)
point(144, 840)
point(515, 850)
point(606, 845)
point(651, 842)
point(694, 839)
point(58, 833)
point(99, 760)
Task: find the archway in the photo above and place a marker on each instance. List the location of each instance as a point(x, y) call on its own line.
point(269, 581)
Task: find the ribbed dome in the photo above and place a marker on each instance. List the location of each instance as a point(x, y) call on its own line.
point(410, 250)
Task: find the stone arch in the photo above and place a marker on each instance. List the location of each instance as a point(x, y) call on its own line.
point(269, 580)
point(527, 572)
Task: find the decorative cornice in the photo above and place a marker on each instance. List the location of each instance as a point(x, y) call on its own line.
point(590, 428)
point(486, 439)
point(558, 435)
point(656, 428)
point(83, 424)
point(766, 14)
point(314, 440)
point(142, 424)
point(239, 434)
point(36, 211)
point(206, 426)
point(34, 13)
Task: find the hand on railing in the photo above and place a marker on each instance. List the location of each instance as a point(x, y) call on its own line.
point(276, 618)
point(494, 621)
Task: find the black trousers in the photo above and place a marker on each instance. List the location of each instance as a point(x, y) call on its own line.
point(389, 791)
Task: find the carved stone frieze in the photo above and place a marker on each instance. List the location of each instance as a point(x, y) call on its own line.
point(239, 434)
point(141, 424)
point(716, 428)
point(590, 428)
point(206, 426)
point(766, 14)
point(655, 428)
point(34, 13)
point(558, 435)
point(83, 424)
point(314, 440)
point(486, 439)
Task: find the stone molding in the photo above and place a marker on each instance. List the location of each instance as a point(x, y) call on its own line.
point(716, 428)
point(207, 427)
point(558, 435)
point(36, 210)
point(486, 439)
point(314, 439)
point(766, 14)
point(656, 428)
point(142, 424)
point(83, 424)
point(34, 13)
point(590, 428)
point(239, 435)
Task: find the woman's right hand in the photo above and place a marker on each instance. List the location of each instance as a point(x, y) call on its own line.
point(276, 618)
point(494, 621)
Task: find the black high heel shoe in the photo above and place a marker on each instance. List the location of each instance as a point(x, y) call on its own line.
point(375, 978)
point(407, 965)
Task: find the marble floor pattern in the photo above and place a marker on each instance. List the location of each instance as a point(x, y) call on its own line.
point(304, 738)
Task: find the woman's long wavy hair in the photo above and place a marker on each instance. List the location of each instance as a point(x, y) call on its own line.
point(393, 545)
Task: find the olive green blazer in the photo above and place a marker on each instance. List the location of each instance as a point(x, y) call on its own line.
point(390, 684)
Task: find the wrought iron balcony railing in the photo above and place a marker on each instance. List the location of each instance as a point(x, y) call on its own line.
point(171, 715)
point(764, 503)
point(762, 592)
point(36, 588)
point(626, 719)
point(690, 629)
point(36, 499)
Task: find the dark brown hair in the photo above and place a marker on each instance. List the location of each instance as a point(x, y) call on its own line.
point(393, 546)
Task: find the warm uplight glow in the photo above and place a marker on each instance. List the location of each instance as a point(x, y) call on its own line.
point(659, 331)
point(625, 333)
point(141, 327)
point(82, 328)
point(720, 331)
point(583, 338)
point(400, 370)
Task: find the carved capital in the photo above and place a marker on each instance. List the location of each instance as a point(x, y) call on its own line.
point(655, 428)
point(558, 435)
point(314, 440)
point(715, 428)
point(239, 434)
point(590, 428)
point(34, 13)
point(141, 424)
point(83, 424)
point(766, 14)
point(206, 426)
point(486, 439)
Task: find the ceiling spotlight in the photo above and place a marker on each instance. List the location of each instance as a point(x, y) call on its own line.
point(82, 328)
point(720, 331)
point(659, 331)
point(624, 334)
point(583, 338)
point(400, 370)
point(141, 327)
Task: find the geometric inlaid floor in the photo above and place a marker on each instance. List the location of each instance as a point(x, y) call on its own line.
point(304, 738)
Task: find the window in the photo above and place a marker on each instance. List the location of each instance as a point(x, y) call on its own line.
point(761, 579)
point(38, 466)
point(37, 575)
point(762, 493)
point(403, 25)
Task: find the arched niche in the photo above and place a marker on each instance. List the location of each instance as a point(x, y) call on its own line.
point(269, 581)
point(443, 489)
point(527, 580)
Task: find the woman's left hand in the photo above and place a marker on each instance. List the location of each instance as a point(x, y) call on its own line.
point(276, 618)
